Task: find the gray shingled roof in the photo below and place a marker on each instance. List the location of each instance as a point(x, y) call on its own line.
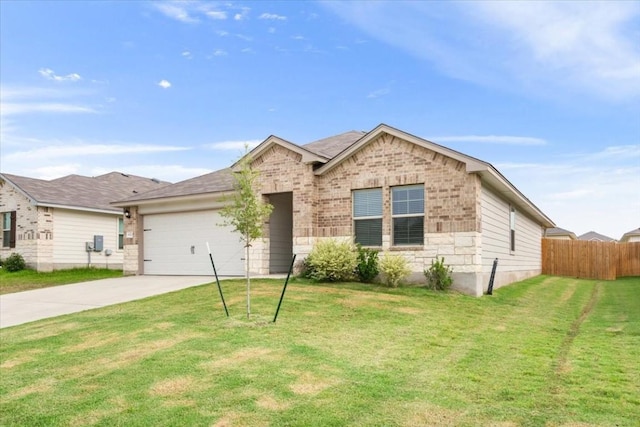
point(213, 182)
point(82, 191)
point(333, 145)
point(592, 235)
point(556, 231)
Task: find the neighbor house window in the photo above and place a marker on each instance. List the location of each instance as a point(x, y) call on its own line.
point(120, 233)
point(512, 229)
point(9, 229)
point(367, 216)
point(407, 213)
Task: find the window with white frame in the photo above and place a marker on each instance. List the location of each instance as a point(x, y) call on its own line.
point(407, 213)
point(512, 229)
point(367, 216)
point(9, 229)
point(120, 233)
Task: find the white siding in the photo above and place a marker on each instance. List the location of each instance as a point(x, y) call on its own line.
point(527, 256)
point(72, 229)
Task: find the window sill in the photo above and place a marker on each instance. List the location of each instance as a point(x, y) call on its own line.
point(407, 248)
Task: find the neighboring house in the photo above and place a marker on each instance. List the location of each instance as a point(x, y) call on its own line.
point(50, 222)
point(631, 236)
point(592, 236)
point(384, 189)
point(559, 234)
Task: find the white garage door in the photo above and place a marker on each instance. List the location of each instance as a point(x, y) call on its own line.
point(176, 244)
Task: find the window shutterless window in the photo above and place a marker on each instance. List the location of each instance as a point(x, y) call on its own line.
point(367, 216)
point(407, 213)
point(9, 229)
point(120, 233)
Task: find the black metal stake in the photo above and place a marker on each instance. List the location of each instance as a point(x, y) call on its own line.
point(217, 281)
point(284, 288)
point(493, 275)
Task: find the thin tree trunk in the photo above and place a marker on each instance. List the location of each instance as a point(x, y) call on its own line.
point(248, 280)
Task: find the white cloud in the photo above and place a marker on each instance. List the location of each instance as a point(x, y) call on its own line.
point(298, 37)
point(272, 16)
point(244, 13)
point(222, 33)
point(378, 93)
point(164, 84)
point(220, 52)
point(176, 10)
point(78, 150)
point(549, 49)
point(492, 139)
point(216, 14)
point(186, 54)
point(48, 74)
point(271, 30)
point(42, 107)
point(233, 145)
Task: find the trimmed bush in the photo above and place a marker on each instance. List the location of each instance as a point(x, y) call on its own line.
point(367, 268)
point(331, 261)
point(394, 268)
point(438, 275)
point(14, 262)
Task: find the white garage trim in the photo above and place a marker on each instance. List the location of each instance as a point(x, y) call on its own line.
point(176, 244)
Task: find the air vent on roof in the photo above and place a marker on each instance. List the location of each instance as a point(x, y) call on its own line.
point(156, 180)
point(124, 174)
point(135, 191)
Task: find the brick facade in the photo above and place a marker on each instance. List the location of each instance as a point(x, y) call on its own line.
point(322, 204)
point(34, 230)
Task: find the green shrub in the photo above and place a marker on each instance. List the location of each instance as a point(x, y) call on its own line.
point(394, 268)
point(14, 262)
point(438, 275)
point(331, 261)
point(367, 268)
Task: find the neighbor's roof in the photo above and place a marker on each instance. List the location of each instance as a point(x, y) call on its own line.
point(629, 234)
point(214, 182)
point(82, 192)
point(592, 235)
point(557, 231)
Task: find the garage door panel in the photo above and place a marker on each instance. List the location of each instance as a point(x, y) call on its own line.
point(176, 243)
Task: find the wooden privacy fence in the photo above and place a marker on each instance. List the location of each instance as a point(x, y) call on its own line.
point(590, 260)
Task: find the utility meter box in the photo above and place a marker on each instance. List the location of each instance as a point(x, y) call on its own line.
point(98, 242)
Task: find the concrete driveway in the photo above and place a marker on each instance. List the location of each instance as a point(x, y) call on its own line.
point(28, 306)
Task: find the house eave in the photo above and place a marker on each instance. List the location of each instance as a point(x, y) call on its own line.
point(79, 208)
point(172, 199)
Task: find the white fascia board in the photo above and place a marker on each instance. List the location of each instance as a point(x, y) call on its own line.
point(79, 208)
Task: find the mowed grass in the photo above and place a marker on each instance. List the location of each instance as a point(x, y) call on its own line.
point(544, 352)
point(25, 280)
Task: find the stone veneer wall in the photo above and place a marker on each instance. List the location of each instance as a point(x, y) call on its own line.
point(34, 230)
point(133, 252)
point(322, 205)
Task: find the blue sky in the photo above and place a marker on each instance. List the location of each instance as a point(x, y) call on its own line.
point(549, 93)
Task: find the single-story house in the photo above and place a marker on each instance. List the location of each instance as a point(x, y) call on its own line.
point(592, 236)
point(631, 236)
point(559, 234)
point(385, 189)
point(66, 222)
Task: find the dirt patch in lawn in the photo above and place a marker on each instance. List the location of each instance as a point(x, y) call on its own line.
point(94, 340)
point(119, 405)
point(28, 356)
point(268, 402)
point(242, 356)
point(309, 384)
point(44, 385)
point(173, 386)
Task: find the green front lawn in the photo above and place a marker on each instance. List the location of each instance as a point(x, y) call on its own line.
point(544, 352)
point(30, 279)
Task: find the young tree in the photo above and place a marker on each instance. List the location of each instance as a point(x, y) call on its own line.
point(246, 212)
